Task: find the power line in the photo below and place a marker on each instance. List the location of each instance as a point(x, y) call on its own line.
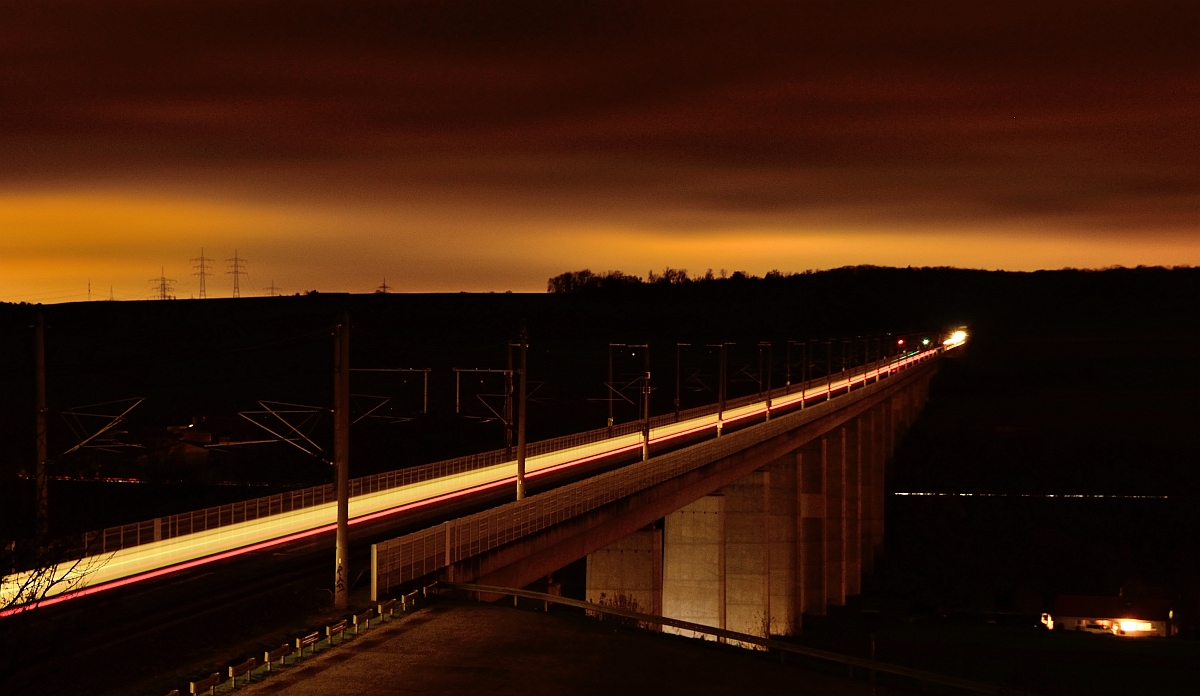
point(272, 291)
point(237, 269)
point(202, 264)
point(164, 287)
point(383, 289)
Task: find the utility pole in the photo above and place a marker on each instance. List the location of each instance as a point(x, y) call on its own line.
point(272, 290)
point(508, 405)
point(829, 370)
point(202, 264)
point(721, 392)
point(522, 415)
point(677, 378)
point(767, 380)
point(609, 395)
point(646, 406)
point(804, 371)
point(341, 457)
point(42, 444)
point(237, 269)
point(720, 387)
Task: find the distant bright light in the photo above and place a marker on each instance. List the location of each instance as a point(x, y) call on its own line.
point(956, 338)
point(924, 341)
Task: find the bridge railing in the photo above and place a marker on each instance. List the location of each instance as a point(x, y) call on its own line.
point(170, 526)
point(415, 555)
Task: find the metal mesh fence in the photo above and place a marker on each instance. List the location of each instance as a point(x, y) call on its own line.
point(170, 526)
point(475, 534)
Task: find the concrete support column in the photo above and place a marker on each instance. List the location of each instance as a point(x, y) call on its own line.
point(785, 549)
point(880, 478)
point(895, 424)
point(747, 554)
point(628, 574)
point(852, 524)
point(867, 491)
point(694, 564)
point(811, 527)
point(834, 450)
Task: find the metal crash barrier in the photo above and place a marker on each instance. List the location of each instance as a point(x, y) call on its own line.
point(272, 660)
point(867, 666)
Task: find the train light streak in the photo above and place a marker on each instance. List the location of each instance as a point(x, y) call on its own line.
point(158, 558)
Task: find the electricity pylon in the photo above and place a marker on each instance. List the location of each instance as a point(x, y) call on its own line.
point(202, 264)
point(164, 286)
point(237, 269)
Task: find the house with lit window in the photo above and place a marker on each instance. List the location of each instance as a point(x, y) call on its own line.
point(1120, 615)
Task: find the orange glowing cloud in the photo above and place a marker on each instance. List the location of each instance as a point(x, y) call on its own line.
point(489, 147)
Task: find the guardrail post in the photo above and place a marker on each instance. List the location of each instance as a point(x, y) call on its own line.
point(311, 639)
point(208, 684)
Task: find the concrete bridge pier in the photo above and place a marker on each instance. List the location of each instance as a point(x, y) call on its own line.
point(627, 574)
point(811, 527)
point(793, 537)
point(852, 523)
point(694, 564)
point(748, 554)
point(717, 560)
point(833, 450)
point(870, 488)
point(785, 550)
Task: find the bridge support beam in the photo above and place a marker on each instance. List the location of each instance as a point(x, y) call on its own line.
point(628, 574)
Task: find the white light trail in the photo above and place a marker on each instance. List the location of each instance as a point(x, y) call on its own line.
point(157, 558)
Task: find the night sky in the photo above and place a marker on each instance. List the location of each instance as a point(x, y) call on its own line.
point(487, 146)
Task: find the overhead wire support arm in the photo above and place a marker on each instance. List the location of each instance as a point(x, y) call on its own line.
point(279, 438)
point(767, 374)
point(521, 425)
point(115, 420)
point(678, 376)
point(275, 412)
point(425, 388)
point(458, 371)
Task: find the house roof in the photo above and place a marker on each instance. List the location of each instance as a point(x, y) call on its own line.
point(1084, 606)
